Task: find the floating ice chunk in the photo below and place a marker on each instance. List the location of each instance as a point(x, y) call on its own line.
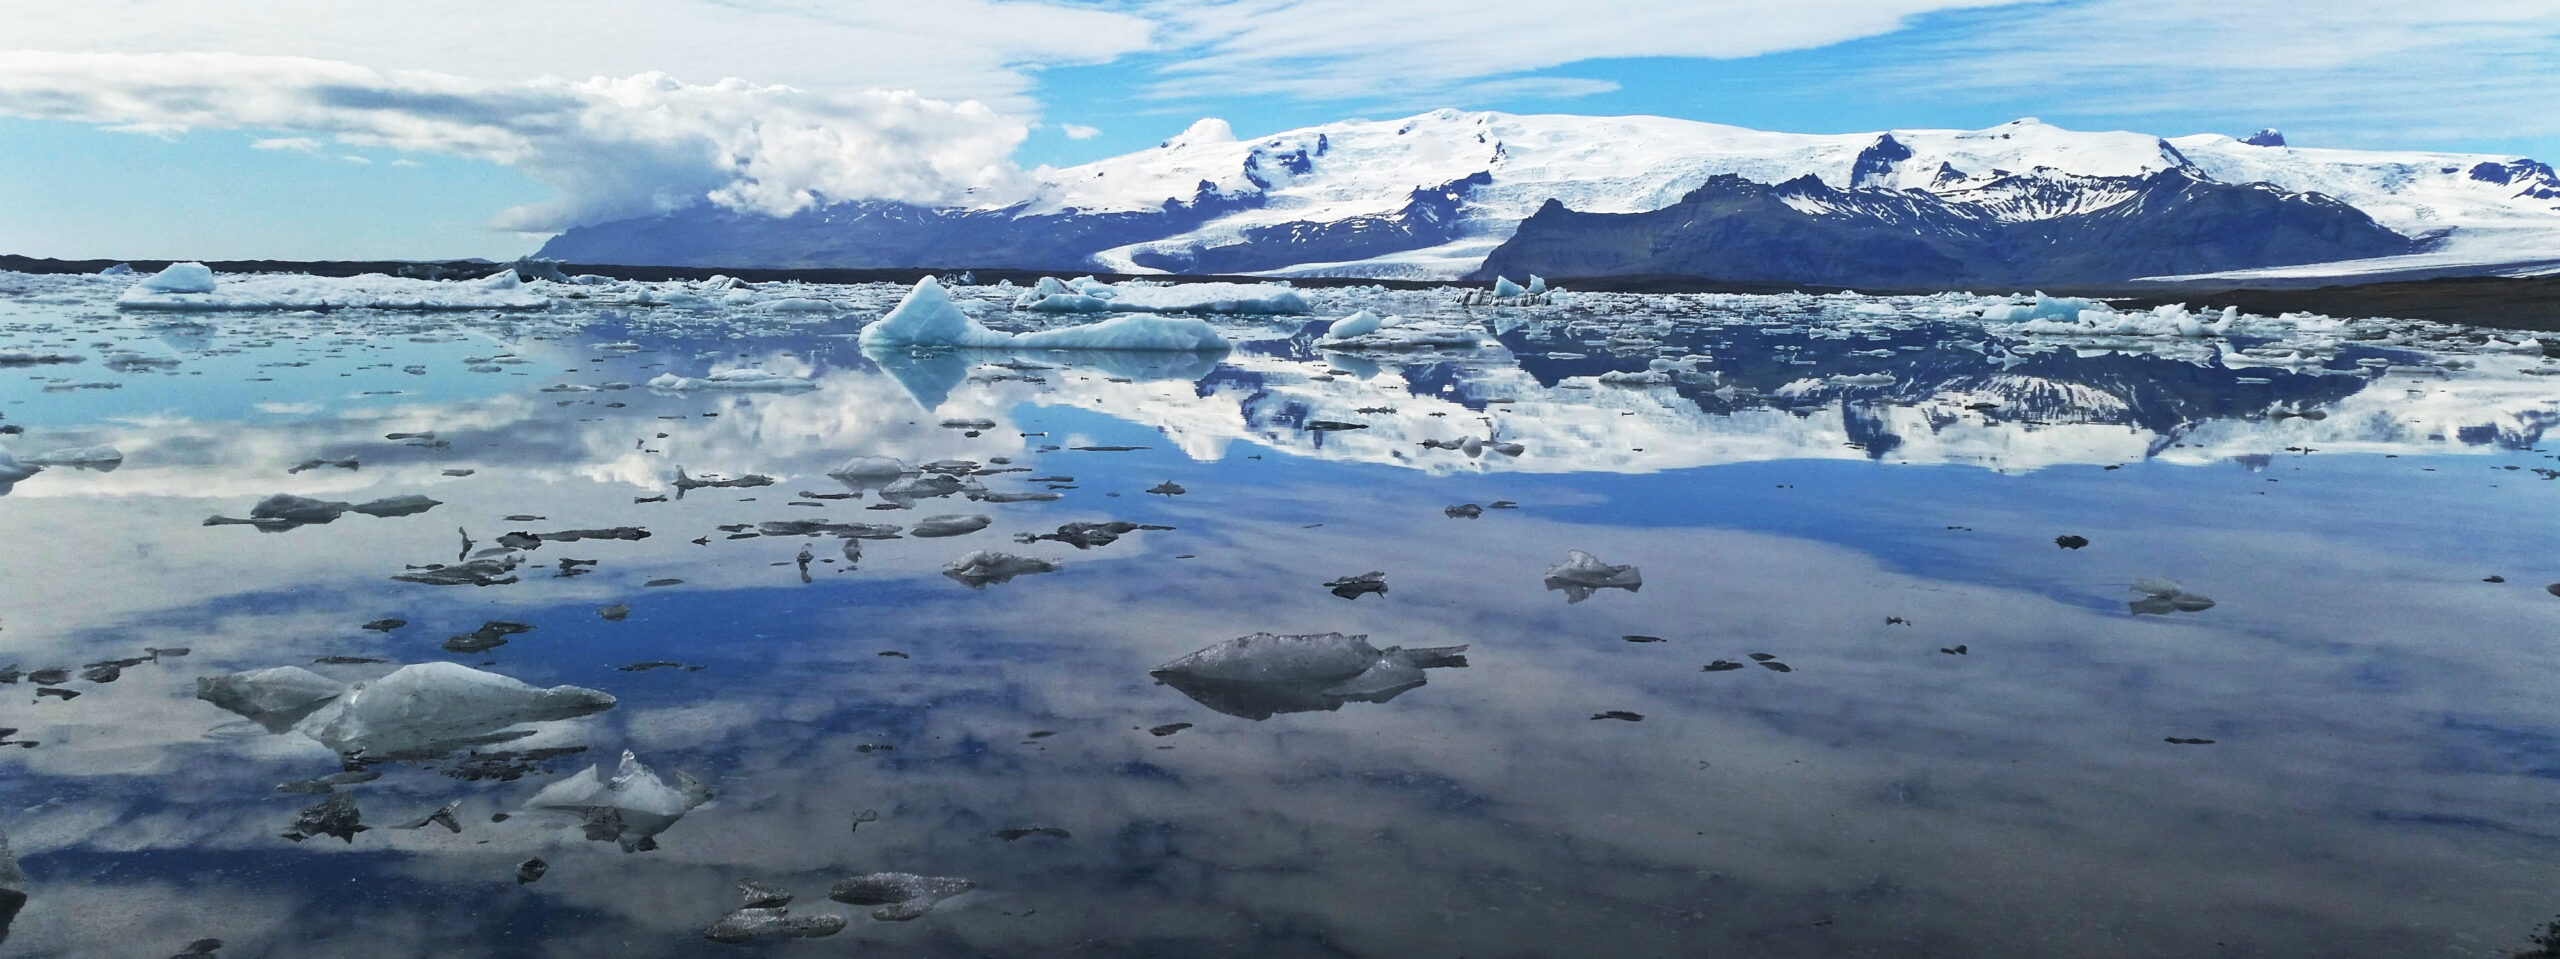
point(928, 317)
point(1166, 333)
point(2043, 308)
point(32, 358)
point(1504, 289)
point(1862, 379)
point(1362, 323)
point(429, 708)
point(1395, 333)
point(1582, 574)
point(922, 486)
point(799, 304)
point(870, 468)
point(179, 278)
point(274, 698)
point(2162, 596)
point(120, 269)
point(1261, 675)
point(933, 526)
point(1537, 284)
point(1089, 296)
point(751, 923)
point(731, 380)
point(900, 895)
point(409, 504)
point(985, 566)
point(631, 808)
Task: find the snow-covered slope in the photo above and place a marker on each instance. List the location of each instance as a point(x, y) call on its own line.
point(1429, 196)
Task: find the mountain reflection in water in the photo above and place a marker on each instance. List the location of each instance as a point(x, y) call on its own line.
point(1885, 714)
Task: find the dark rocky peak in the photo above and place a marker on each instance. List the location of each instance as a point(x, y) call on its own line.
point(2269, 137)
point(1876, 163)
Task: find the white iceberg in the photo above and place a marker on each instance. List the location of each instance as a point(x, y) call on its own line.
point(1362, 323)
point(928, 318)
point(765, 380)
point(1504, 289)
point(274, 698)
point(428, 708)
point(178, 278)
point(630, 808)
point(1258, 676)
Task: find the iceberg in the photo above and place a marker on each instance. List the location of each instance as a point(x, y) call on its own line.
point(631, 808)
point(956, 525)
point(900, 895)
point(1256, 677)
point(927, 317)
point(985, 566)
point(731, 380)
point(1504, 289)
point(1582, 574)
point(874, 468)
point(178, 278)
point(274, 698)
point(419, 710)
point(13, 469)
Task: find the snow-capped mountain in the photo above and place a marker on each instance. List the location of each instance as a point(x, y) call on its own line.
point(1431, 196)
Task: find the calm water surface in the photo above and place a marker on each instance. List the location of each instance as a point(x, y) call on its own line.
point(1967, 755)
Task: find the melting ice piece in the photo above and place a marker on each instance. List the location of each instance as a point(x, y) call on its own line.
point(274, 698)
point(731, 380)
point(932, 526)
point(2162, 596)
point(928, 318)
point(1362, 323)
point(13, 888)
point(1505, 289)
point(900, 895)
point(1258, 676)
point(764, 922)
point(631, 808)
point(1582, 574)
point(870, 470)
point(985, 566)
point(430, 708)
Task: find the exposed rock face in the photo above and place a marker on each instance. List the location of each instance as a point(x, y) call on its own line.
point(2045, 227)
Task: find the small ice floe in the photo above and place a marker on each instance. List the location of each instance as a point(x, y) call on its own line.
point(766, 914)
point(630, 808)
point(284, 511)
point(980, 568)
point(686, 481)
point(954, 525)
point(334, 816)
point(927, 318)
point(32, 358)
point(418, 710)
point(13, 469)
point(1357, 585)
point(2162, 596)
point(1582, 574)
point(1258, 676)
point(1367, 331)
point(1088, 535)
point(748, 379)
point(869, 471)
point(900, 895)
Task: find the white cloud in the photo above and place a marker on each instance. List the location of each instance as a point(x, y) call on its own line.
point(987, 50)
point(2367, 72)
point(1078, 131)
point(612, 147)
point(295, 144)
point(1424, 50)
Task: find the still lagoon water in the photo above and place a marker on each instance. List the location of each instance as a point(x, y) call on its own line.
point(1881, 684)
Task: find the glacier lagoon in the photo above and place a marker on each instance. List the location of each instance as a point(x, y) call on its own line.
point(1932, 512)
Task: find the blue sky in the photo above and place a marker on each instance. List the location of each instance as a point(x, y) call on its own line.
point(333, 129)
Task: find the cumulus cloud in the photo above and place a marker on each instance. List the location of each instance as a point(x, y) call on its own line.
point(611, 147)
point(295, 144)
point(1078, 131)
point(1427, 49)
